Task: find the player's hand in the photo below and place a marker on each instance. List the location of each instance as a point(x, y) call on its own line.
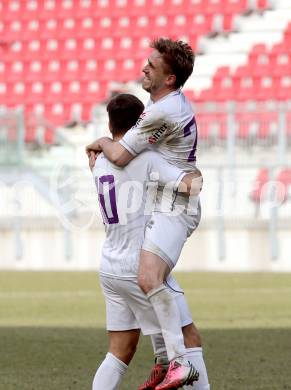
point(95, 146)
point(92, 159)
point(197, 182)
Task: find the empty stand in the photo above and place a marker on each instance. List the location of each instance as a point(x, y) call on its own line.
point(50, 45)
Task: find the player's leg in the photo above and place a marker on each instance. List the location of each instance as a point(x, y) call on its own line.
point(164, 240)
point(122, 346)
point(152, 273)
point(192, 342)
point(195, 356)
point(123, 337)
point(192, 339)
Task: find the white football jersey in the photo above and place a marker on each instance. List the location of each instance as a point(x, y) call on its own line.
point(170, 125)
point(123, 199)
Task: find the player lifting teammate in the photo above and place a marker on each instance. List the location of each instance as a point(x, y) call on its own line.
point(168, 124)
point(123, 196)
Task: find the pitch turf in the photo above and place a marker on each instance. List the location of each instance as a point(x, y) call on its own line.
point(52, 336)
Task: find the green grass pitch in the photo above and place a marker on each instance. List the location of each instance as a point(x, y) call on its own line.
point(52, 333)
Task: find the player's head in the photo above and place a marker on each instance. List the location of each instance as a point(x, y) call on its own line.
point(123, 112)
point(169, 65)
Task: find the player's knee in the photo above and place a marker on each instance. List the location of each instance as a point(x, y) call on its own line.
point(192, 337)
point(148, 283)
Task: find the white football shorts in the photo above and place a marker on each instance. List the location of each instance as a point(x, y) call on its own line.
point(165, 235)
point(127, 307)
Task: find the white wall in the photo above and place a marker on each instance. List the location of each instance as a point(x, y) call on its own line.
point(247, 248)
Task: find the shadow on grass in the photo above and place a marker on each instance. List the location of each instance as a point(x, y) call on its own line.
point(66, 358)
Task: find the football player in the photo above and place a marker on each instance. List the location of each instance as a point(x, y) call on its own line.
point(167, 125)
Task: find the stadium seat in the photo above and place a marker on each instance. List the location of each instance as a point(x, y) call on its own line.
point(282, 87)
point(30, 10)
point(66, 41)
point(259, 61)
point(235, 6)
point(69, 70)
point(12, 10)
point(195, 7)
point(47, 9)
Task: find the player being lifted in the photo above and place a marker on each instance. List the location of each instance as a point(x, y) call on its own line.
point(123, 198)
point(168, 125)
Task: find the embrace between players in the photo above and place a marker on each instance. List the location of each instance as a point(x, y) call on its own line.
point(151, 148)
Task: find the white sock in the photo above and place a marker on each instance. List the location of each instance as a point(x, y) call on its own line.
point(159, 347)
point(167, 311)
point(195, 356)
point(109, 374)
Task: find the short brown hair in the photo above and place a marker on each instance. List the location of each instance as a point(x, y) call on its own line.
point(123, 111)
point(178, 56)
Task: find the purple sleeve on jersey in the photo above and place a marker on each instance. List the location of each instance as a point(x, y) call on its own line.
point(187, 132)
point(112, 197)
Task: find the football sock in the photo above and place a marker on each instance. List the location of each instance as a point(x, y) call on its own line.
point(159, 348)
point(195, 356)
point(167, 311)
point(109, 374)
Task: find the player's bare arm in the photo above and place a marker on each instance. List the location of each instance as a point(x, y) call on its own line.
point(113, 150)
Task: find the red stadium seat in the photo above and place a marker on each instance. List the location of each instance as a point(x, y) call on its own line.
point(212, 6)
point(12, 10)
point(89, 70)
point(200, 23)
point(3, 71)
point(259, 61)
point(31, 30)
point(280, 63)
point(54, 113)
point(246, 125)
point(15, 71)
point(195, 7)
point(66, 41)
point(204, 121)
point(262, 4)
point(93, 91)
point(282, 87)
point(66, 8)
point(13, 30)
point(227, 22)
point(47, 9)
point(30, 10)
point(268, 124)
point(235, 6)
point(264, 88)
point(34, 70)
point(70, 70)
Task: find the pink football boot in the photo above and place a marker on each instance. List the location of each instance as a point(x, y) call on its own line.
point(180, 373)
